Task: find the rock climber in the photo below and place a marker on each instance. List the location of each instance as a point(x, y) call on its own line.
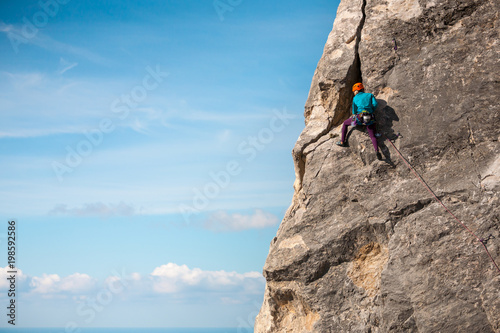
point(363, 106)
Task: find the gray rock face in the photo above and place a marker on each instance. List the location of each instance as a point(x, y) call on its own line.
point(364, 247)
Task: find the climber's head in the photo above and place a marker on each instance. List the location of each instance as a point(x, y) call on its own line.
point(357, 88)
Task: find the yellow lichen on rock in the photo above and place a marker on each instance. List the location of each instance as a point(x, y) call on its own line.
point(294, 315)
point(285, 311)
point(366, 269)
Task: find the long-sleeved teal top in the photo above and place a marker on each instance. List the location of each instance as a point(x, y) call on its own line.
point(363, 101)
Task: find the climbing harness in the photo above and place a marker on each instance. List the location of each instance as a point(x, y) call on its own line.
point(480, 240)
point(363, 118)
point(367, 117)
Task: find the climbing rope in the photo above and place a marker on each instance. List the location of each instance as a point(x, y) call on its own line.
point(480, 240)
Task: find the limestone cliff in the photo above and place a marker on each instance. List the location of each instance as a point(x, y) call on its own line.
point(364, 247)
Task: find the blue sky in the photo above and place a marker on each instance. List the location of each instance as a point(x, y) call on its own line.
point(146, 153)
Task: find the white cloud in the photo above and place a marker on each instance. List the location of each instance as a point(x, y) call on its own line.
point(53, 284)
point(95, 209)
point(45, 284)
point(222, 221)
point(180, 281)
point(77, 283)
point(172, 278)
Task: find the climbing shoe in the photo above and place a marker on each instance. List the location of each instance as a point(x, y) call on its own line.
point(379, 156)
point(341, 144)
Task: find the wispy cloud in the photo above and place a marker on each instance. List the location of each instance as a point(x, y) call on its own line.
point(17, 37)
point(95, 209)
point(223, 118)
point(36, 104)
point(39, 132)
point(24, 80)
point(222, 221)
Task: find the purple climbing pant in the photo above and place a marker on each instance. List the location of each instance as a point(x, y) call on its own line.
point(369, 128)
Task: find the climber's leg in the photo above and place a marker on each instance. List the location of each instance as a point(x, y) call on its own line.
point(371, 132)
point(346, 124)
